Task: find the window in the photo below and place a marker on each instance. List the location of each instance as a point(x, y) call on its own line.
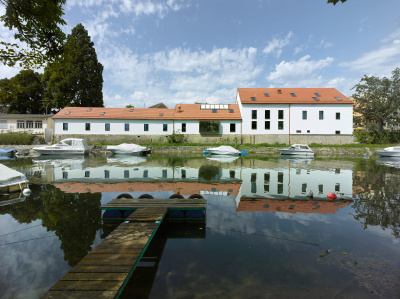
point(267, 125)
point(29, 124)
point(292, 94)
point(161, 114)
point(298, 131)
point(280, 177)
point(214, 111)
point(130, 110)
point(184, 127)
point(315, 99)
point(253, 114)
point(253, 98)
point(145, 173)
point(303, 188)
point(266, 177)
point(87, 174)
point(337, 132)
point(183, 174)
point(253, 177)
point(87, 126)
point(3, 124)
point(337, 115)
point(232, 174)
point(90, 109)
point(38, 124)
point(337, 187)
point(126, 174)
point(317, 94)
point(65, 126)
point(267, 114)
point(320, 189)
point(68, 112)
point(230, 110)
point(106, 174)
point(233, 128)
point(280, 125)
point(280, 189)
point(65, 175)
point(20, 124)
point(107, 127)
point(266, 94)
point(146, 127)
point(280, 114)
point(337, 98)
point(102, 113)
point(254, 125)
point(126, 127)
point(165, 127)
point(164, 173)
point(321, 115)
point(209, 126)
point(304, 114)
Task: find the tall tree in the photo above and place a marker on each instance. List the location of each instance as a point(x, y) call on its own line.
point(336, 1)
point(76, 80)
point(37, 24)
point(378, 100)
point(23, 93)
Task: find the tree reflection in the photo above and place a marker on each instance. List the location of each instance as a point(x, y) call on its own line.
point(378, 189)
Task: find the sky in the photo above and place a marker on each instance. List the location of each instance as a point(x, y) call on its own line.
point(188, 51)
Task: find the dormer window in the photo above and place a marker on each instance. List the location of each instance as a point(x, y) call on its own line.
point(253, 98)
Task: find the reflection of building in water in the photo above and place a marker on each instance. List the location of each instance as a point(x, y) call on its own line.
point(249, 179)
point(290, 206)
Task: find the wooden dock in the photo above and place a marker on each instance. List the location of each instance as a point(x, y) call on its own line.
point(104, 272)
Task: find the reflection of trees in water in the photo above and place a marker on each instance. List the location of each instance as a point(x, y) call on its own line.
point(378, 192)
point(75, 218)
point(209, 173)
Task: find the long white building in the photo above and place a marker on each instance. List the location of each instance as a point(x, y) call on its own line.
point(260, 115)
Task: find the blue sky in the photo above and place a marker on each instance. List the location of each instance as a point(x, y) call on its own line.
point(186, 51)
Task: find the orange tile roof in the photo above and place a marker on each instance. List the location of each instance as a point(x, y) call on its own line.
point(194, 111)
point(114, 113)
point(283, 96)
point(181, 112)
point(290, 206)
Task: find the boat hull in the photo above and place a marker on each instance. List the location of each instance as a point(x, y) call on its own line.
point(49, 151)
point(388, 153)
point(131, 153)
point(296, 153)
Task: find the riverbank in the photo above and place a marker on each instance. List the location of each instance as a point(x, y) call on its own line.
point(327, 151)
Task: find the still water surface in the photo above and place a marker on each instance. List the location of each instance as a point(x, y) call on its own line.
point(263, 237)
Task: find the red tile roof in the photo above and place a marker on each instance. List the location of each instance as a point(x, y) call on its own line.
point(283, 96)
point(114, 113)
point(195, 111)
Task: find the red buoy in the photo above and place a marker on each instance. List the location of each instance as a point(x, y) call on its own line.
point(332, 196)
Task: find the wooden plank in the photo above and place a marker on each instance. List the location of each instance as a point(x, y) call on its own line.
point(79, 295)
point(87, 285)
point(100, 269)
point(94, 276)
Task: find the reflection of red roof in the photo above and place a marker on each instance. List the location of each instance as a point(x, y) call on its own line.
point(290, 206)
point(283, 96)
point(183, 188)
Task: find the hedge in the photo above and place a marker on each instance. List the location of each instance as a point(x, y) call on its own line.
point(17, 138)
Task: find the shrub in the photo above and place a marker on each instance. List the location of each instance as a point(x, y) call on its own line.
point(176, 138)
point(17, 138)
point(377, 137)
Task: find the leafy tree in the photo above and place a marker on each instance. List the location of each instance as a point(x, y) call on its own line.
point(76, 80)
point(22, 93)
point(336, 1)
point(129, 106)
point(378, 100)
point(37, 23)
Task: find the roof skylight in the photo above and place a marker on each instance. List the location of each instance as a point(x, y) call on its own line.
point(337, 98)
point(317, 94)
point(315, 99)
point(253, 98)
point(266, 94)
point(90, 109)
point(292, 94)
point(102, 113)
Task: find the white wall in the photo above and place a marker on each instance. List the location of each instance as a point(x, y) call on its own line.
point(12, 125)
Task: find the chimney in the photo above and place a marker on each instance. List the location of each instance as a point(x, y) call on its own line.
point(279, 91)
point(179, 108)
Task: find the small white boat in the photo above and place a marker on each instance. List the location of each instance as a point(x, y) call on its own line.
point(11, 180)
point(393, 151)
point(129, 149)
point(297, 149)
point(70, 146)
point(7, 152)
point(223, 158)
point(223, 150)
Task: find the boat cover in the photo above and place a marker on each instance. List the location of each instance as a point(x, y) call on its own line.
point(10, 176)
point(6, 151)
point(128, 147)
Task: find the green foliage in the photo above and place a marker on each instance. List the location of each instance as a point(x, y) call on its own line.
point(37, 23)
point(378, 101)
point(129, 106)
point(22, 93)
point(336, 1)
point(77, 79)
point(16, 138)
point(377, 137)
point(176, 138)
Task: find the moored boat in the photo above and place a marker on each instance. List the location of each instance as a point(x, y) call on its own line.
point(69, 146)
point(224, 150)
point(11, 180)
point(297, 149)
point(393, 151)
point(7, 152)
point(129, 149)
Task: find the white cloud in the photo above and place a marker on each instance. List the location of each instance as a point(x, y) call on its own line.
point(276, 45)
point(300, 72)
point(380, 62)
point(325, 44)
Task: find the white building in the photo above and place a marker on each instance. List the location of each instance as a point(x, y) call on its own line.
point(295, 115)
point(260, 115)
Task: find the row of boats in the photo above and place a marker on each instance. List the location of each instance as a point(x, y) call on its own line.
point(77, 146)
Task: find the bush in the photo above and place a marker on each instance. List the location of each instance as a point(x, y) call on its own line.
point(176, 138)
point(17, 138)
point(377, 137)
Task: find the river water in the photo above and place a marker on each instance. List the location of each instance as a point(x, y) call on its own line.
point(263, 237)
